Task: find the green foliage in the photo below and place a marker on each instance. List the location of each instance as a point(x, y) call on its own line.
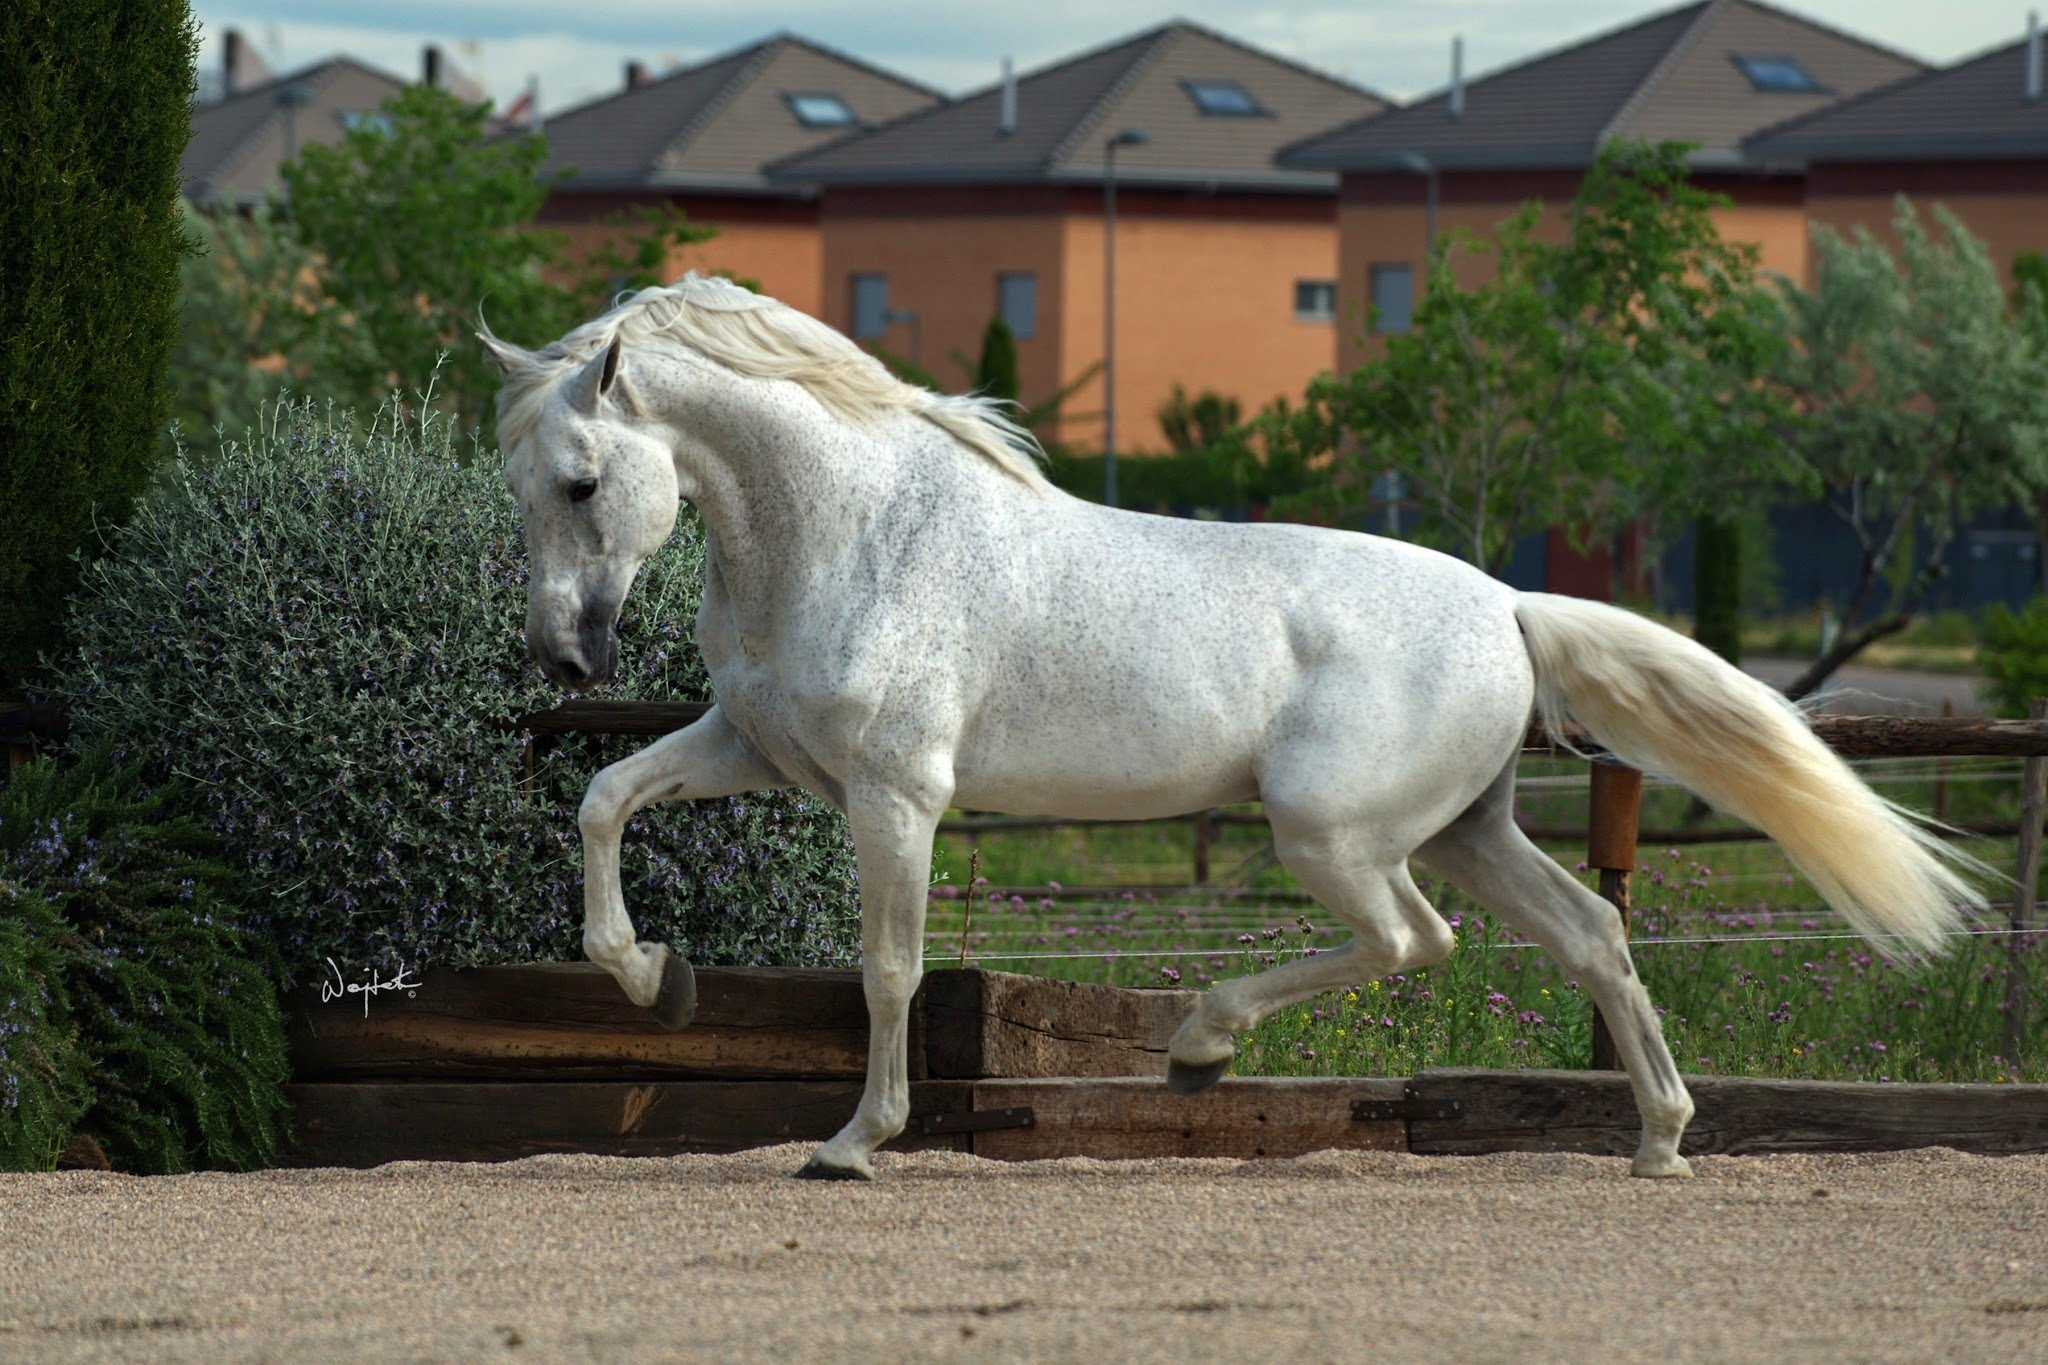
point(2013, 656)
point(321, 630)
point(1583, 381)
point(1242, 467)
point(244, 290)
point(1204, 422)
point(2030, 281)
point(137, 931)
point(1717, 586)
point(996, 374)
point(1921, 402)
point(43, 1086)
point(94, 110)
point(390, 244)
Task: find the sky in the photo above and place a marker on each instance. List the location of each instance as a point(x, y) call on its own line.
point(1399, 49)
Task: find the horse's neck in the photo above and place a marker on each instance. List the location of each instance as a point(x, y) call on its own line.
point(786, 489)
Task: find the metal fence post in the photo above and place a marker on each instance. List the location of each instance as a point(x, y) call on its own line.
point(1614, 807)
point(2033, 809)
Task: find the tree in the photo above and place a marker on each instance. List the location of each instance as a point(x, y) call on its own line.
point(996, 375)
point(371, 271)
point(1582, 382)
point(1921, 401)
point(94, 113)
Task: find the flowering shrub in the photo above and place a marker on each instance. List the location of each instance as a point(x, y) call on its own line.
point(135, 1008)
point(320, 631)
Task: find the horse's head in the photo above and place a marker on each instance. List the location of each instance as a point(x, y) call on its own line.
point(597, 494)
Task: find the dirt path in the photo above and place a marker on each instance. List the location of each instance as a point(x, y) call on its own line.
point(1909, 1257)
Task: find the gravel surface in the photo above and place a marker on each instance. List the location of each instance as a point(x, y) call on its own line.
point(1338, 1256)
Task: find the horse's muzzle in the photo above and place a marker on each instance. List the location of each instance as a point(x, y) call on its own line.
point(591, 661)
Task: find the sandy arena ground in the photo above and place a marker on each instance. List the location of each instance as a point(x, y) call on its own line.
point(1916, 1256)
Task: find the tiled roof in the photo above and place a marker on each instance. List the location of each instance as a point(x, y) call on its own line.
point(715, 125)
point(1066, 111)
point(239, 143)
point(1676, 75)
point(1975, 109)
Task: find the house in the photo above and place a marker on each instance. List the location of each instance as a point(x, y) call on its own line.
point(1973, 136)
point(240, 142)
point(1712, 73)
point(699, 137)
point(998, 203)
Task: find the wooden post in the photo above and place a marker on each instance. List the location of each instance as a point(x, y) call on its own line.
point(1615, 806)
point(1205, 830)
point(2033, 808)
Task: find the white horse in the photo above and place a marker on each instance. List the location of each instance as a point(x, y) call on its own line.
point(901, 614)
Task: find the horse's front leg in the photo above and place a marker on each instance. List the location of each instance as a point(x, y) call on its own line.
point(892, 840)
point(704, 759)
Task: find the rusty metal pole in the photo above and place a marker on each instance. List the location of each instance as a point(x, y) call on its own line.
point(1205, 830)
point(1614, 807)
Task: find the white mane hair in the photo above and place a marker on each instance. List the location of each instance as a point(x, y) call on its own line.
point(762, 338)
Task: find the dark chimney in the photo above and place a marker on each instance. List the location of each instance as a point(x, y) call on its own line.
point(431, 74)
point(636, 75)
point(231, 44)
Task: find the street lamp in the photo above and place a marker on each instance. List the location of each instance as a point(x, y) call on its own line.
point(1129, 137)
point(1422, 165)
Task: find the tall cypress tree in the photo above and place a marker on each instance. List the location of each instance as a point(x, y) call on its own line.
point(95, 111)
point(996, 376)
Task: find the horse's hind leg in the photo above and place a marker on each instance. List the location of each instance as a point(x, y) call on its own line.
point(704, 759)
point(1394, 928)
point(1494, 862)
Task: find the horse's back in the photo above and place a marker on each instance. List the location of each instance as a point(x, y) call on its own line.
point(1130, 665)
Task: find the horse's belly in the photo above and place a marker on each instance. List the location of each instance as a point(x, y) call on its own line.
point(1089, 771)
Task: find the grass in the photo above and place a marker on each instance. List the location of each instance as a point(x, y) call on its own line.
point(1751, 974)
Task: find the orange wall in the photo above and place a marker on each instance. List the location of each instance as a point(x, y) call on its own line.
point(787, 260)
point(943, 267)
point(769, 240)
point(2008, 223)
point(1205, 302)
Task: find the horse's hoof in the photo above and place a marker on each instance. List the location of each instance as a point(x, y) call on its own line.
point(814, 1169)
point(677, 1003)
point(1183, 1079)
point(1661, 1167)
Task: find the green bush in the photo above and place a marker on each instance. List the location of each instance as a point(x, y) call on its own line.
point(160, 1035)
point(321, 631)
point(43, 1087)
point(94, 114)
point(2013, 655)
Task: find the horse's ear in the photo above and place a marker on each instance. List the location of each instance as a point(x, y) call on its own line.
point(595, 379)
point(507, 358)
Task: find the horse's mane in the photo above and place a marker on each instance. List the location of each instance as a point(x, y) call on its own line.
point(757, 336)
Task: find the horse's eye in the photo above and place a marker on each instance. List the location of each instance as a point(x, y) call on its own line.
point(581, 490)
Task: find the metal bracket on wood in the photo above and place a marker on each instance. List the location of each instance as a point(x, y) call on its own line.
point(934, 1125)
point(1363, 1111)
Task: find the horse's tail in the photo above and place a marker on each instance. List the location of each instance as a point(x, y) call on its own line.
point(1664, 704)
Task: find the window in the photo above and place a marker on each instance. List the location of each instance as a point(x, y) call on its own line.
point(1393, 298)
point(1315, 300)
point(870, 306)
point(1778, 75)
point(351, 120)
point(1017, 301)
point(820, 111)
point(1225, 99)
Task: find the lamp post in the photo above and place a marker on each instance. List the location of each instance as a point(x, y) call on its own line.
point(1129, 137)
point(1423, 166)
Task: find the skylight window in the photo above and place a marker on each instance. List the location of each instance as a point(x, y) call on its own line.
point(820, 111)
point(1227, 99)
point(1778, 75)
